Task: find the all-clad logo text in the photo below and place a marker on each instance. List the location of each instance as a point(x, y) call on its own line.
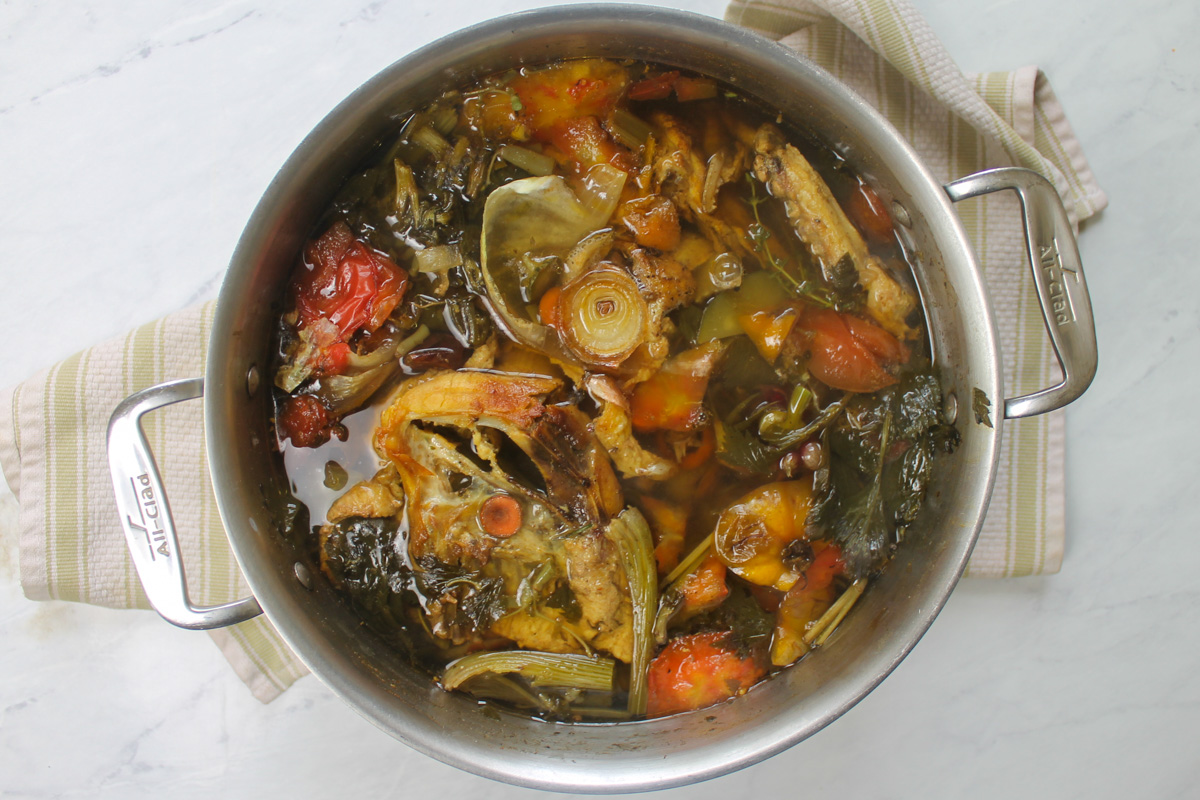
point(150, 514)
point(1052, 269)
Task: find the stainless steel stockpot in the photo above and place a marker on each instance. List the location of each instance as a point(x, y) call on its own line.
point(615, 757)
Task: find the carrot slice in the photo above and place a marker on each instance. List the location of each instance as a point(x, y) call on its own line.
point(500, 515)
point(548, 307)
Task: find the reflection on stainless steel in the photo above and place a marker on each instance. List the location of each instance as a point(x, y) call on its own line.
point(1058, 276)
point(146, 514)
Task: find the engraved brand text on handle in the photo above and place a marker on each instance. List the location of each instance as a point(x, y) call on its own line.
point(1052, 270)
point(150, 514)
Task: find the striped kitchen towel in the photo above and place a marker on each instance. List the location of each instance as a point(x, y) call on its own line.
point(52, 427)
point(960, 124)
point(53, 451)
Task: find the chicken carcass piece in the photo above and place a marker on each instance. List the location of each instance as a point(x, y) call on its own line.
point(458, 438)
point(681, 172)
point(614, 429)
point(825, 229)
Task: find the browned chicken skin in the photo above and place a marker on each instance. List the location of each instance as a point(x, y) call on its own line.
point(457, 438)
point(825, 229)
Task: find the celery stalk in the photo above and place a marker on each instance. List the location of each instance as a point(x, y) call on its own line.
point(542, 669)
point(631, 534)
point(523, 158)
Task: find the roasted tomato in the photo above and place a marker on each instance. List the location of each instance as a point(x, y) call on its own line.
point(305, 420)
point(569, 90)
point(761, 536)
point(345, 287)
point(848, 352)
point(697, 671)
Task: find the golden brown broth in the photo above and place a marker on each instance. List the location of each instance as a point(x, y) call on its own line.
point(708, 489)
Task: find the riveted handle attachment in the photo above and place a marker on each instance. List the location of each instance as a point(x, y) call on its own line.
point(146, 515)
point(1058, 276)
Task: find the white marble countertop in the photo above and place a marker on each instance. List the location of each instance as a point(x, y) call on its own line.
point(136, 137)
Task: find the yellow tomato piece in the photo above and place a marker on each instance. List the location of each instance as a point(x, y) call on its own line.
point(768, 330)
point(568, 90)
point(753, 533)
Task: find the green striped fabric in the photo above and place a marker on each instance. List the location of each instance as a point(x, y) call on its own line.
point(960, 124)
point(52, 449)
point(52, 427)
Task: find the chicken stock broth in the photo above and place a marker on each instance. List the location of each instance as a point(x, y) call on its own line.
point(607, 392)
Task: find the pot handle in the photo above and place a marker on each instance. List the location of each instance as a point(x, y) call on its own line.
point(146, 515)
point(1058, 276)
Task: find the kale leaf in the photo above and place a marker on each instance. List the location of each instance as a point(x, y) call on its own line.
point(482, 600)
point(359, 554)
point(882, 451)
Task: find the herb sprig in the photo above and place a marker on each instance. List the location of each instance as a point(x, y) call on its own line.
point(759, 233)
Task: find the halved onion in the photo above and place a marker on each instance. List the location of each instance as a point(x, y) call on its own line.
point(603, 316)
point(532, 219)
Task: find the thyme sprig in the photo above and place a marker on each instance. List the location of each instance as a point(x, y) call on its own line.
point(759, 233)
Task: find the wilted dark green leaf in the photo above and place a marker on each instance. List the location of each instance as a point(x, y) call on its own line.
point(882, 463)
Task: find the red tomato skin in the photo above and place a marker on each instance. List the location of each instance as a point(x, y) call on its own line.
point(697, 671)
point(347, 285)
point(305, 420)
point(849, 353)
point(870, 215)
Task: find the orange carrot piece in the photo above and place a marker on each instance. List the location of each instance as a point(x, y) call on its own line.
point(548, 307)
point(769, 329)
point(653, 220)
point(705, 588)
point(668, 525)
point(500, 515)
point(673, 398)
